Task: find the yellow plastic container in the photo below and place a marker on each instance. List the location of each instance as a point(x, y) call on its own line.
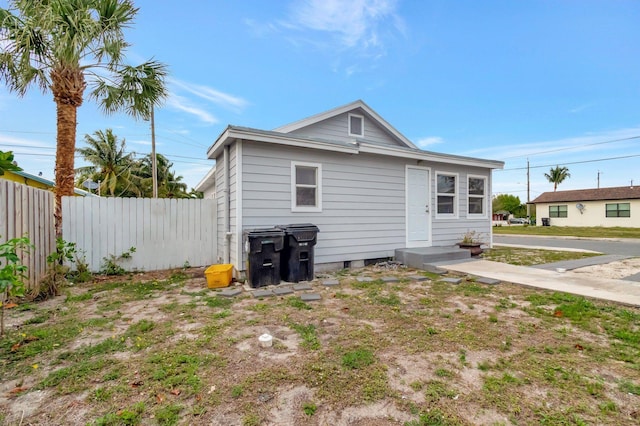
point(219, 275)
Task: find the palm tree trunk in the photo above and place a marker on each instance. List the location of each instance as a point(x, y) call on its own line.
point(67, 86)
point(66, 148)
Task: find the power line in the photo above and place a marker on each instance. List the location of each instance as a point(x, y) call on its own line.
point(622, 157)
point(573, 147)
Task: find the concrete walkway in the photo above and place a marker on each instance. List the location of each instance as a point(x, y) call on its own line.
point(624, 292)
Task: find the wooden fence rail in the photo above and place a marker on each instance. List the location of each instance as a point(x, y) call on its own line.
point(166, 233)
point(27, 211)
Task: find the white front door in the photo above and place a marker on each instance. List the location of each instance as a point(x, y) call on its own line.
point(418, 209)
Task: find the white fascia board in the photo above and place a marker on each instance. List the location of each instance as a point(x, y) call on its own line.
point(318, 117)
point(431, 156)
point(232, 134)
point(208, 180)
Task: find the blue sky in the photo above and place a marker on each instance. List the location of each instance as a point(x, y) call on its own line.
point(557, 82)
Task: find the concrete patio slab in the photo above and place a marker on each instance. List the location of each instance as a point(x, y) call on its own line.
point(621, 291)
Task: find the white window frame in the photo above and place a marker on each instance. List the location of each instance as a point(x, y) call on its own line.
point(361, 117)
point(455, 196)
point(318, 186)
point(484, 213)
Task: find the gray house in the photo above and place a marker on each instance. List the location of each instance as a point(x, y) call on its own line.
point(366, 186)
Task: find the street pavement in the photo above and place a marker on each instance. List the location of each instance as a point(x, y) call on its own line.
point(621, 246)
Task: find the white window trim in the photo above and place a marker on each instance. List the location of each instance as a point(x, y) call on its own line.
point(361, 117)
point(484, 215)
point(453, 215)
point(306, 209)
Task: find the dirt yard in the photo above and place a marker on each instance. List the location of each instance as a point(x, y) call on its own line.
point(385, 346)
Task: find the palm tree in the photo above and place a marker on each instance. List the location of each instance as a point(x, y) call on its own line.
point(111, 166)
point(557, 175)
point(169, 185)
point(60, 45)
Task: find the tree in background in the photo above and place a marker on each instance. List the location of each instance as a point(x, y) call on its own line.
point(510, 203)
point(169, 185)
point(120, 175)
point(7, 163)
point(111, 166)
point(60, 46)
point(557, 175)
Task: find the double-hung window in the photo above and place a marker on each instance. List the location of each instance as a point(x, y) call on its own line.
point(558, 211)
point(477, 196)
point(306, 187)
point(618, 210)
point(447, 194)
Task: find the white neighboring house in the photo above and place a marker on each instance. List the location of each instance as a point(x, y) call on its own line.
point(348, 171)
point(618, 206)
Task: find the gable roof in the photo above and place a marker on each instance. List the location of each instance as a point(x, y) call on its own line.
point(599, 194)
point(356, 105)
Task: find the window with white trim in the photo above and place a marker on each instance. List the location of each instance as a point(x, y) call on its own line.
point(356, 125)
point(306, 187)
point(477, 191)
point(447, 194)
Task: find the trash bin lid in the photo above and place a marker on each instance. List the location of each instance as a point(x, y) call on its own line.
point(266, 232)
point(299, 227)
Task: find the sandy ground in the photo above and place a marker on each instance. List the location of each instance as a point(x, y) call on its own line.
point(614, 270)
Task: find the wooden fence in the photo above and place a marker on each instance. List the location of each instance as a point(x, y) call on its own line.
point(166, 233)
point(28, 211)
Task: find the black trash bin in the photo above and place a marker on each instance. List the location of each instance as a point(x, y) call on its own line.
point(265, 246)
point(298, 252)
point(546, 221)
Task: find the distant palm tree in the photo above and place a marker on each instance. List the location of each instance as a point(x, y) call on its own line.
point(111, 166)
point(60, 46)
point(169, 185)
point(557, 175)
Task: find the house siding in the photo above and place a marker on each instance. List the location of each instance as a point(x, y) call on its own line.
point(363, 200)
point(221, 194)
point(594, 214)
point(337, 128)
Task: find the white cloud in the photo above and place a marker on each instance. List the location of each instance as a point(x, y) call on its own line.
point(581, 108)
point(183, 104)
point(354, 22)
point(428, 141)
point(212, 95)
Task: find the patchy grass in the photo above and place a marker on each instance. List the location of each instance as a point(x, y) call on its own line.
point(528, 257)
point(169, 351)
point(569, 231)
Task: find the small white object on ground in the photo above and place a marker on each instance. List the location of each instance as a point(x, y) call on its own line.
point(266, 340)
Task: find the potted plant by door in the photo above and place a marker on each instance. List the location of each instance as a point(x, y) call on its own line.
point(471, 240)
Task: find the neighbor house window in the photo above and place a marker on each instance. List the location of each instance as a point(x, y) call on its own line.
point(447, 188)
point(558, 211)
point(356, 125)
point(306, 187)
point(477, 195)
point(618, 210)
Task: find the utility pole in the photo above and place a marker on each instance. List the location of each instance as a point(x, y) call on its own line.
point(154, 166)
point(599, 178)
point(528, 192)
